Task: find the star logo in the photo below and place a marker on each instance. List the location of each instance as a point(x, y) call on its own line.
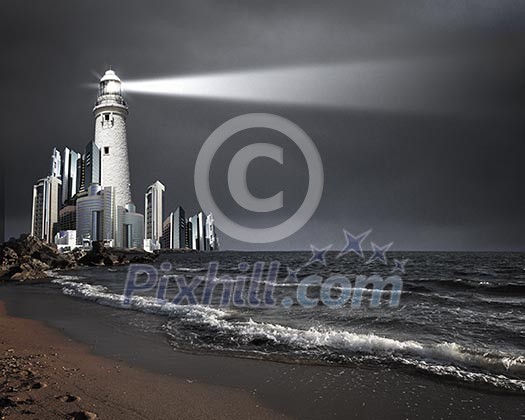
point(399, 265)
point(292, 275)
point(318, 255)
point(379, 253)
point(354, 243)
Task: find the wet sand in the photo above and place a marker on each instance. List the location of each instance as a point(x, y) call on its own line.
point(119, 372)
point(44, 375)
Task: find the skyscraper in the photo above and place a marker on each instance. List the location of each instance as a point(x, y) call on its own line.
point(110, 113)
point(189, 234)
point(179, 228)
point(91, 165)
point(45, 208)
point(153, 208)
point(81, 174)
point(174, 230)
point(70, 175)
point(212, 240)
point(46, 201)
point(198, 226)
point(67, 218)
point(56, 164)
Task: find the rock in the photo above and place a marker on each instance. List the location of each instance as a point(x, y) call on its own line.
point(7, 402)
point(122, 260)
point(100, 255)
point(30, 274)
point(110, 260)
point(83, 415)
point(68, 398)
point(9, 257)
point(96, 256)
point(77, 254)
point(39, 385)
point(27, 258)
point(146, 258)
point(28, 263)
point(31, 246)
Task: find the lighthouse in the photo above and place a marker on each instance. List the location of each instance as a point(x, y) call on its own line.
point(110, 113)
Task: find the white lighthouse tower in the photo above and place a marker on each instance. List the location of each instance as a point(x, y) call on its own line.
point(110, 136)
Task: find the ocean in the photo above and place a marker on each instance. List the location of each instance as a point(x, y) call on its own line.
point(461, 316)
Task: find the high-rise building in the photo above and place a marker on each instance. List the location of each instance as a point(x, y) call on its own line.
point(96, 216)
point(91, 165)
point(174, 230)
point(110, 113)
point(45, 208)
point(81, 174)
point(153, 208)
point(38, 214)
point(189, 234)
point(56, 164)
point(198, 225)
point(166, 242)
point(70, 175)
point(212, 240)
point(67, 218)
point(179, 228)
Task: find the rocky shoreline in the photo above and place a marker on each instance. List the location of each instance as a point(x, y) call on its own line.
point(29, 258)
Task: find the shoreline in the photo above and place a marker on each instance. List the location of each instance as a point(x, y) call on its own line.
point(268, 389)
point(45, 375)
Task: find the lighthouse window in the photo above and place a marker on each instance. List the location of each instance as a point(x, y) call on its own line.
point(106, 117)
point(106, 150)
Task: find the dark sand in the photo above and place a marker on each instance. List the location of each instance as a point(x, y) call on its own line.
point(125, 373)
point(44, 375)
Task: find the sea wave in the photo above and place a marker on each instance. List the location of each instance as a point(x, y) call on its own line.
point(480, 286)
point(190, 270)
point(210, 328)
point(101, 295)
point(445, 359)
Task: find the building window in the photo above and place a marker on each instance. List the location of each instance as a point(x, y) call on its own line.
point(106, 150)
point(107, 120)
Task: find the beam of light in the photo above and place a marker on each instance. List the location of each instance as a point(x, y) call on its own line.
point(385, 85)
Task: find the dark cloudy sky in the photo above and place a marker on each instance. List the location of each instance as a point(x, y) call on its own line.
point(445, 172)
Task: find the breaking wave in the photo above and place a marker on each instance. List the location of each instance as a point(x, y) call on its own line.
point(200, 327)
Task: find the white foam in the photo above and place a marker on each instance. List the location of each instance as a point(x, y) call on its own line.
point(189, 270)
point(443, 358)
point(101, 295)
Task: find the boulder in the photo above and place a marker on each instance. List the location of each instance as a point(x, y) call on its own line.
point(28, 258)
point(96, 256)
point(9, 257)
point(28, 274)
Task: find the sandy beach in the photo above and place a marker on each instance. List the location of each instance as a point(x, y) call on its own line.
point(45, 375)
point(62, 355)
